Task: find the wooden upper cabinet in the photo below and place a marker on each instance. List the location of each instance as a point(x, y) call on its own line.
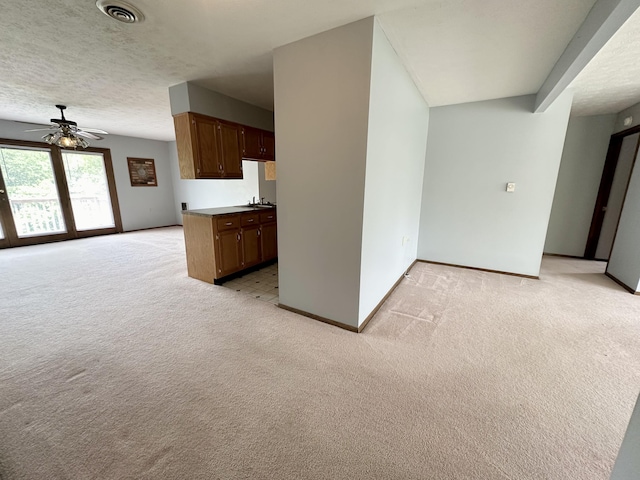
point(230, 149)
point(208, 147)
point(207, 158)
point(251, 143)
point(258, 144)
point(269, 145)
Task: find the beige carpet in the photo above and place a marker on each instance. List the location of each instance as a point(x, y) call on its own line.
point(115, 365)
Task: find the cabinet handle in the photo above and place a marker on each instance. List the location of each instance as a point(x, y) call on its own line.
point(229, 224)
point(219, 166)
point(258, 232)
point(270, 216)
point(238, 237)
point(250, 220)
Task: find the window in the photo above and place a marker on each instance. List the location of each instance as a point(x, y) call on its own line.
point(51, 194)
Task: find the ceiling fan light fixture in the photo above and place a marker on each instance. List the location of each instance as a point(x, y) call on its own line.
point(66, 140)
point(122, 11)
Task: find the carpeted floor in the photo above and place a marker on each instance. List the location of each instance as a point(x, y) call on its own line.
point(116, 365)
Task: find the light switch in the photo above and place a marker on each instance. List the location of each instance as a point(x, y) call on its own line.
point(511, 187)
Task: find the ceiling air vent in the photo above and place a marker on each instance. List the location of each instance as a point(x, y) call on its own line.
point(121, 11)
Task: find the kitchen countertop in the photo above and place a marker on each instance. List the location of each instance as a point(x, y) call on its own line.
point(212, 212)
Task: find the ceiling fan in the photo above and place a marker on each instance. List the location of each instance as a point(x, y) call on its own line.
point(68, 134)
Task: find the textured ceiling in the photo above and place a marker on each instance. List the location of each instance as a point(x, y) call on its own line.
point(468, 50)
point(611, 81)
point(116, 77)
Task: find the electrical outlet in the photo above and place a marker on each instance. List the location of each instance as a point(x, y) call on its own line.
point(511, 187)
point(405, 240)
point(184, 207)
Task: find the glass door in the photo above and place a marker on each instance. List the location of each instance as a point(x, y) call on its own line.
point(4, 241)
point(49, 194)
point(30, 201)
point(88, 190)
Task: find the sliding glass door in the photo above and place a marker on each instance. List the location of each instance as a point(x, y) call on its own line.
point(31, 191)
point(88, 190)
point(48, 194)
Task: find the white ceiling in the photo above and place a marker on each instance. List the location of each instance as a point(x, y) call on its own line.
point(611, 81)
point(115, 76)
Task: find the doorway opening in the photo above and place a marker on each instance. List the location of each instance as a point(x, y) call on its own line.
point(619, 164)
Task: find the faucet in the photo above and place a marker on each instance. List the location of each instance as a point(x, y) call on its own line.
point(254, 200)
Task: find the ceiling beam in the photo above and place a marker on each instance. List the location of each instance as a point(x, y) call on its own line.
point(603, 21)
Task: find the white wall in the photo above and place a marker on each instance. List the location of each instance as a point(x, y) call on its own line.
point(473, 150)
point(624, 263)
point(627, 466)
point(397, 140)
point(321, 112)
point(633, 111)
point(140, 207)
point(583, 156)
point(188, 97)
point(267, 187)
point(616, 197)
point(212, 193)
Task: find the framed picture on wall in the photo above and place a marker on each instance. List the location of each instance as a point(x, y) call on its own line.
point(142, 172)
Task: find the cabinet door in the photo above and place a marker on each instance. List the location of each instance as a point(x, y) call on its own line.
point(228, 252)
point(268, 146)
point(230, 149)
point(251, 143)
point(208, 163)
point(251, 246)
point(269, 241)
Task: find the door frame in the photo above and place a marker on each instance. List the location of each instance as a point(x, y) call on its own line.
point(11, 237)
point(604, 191)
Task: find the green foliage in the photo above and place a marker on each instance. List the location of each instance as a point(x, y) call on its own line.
point(22, 168)
point(29, 173)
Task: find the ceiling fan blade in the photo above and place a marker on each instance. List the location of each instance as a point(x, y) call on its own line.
point(40, 129)
point(93, 130)
point(30, 123)
point(82, 133)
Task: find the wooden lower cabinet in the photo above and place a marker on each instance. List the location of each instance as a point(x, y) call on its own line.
point(221, 245)
point(269, 241)
point(228, 248)
point(251, 246)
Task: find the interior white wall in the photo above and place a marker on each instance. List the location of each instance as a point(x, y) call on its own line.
point(140, 207)
point(583, 156)
point(211, 193)
point(473, 150)
point(633, 111)
point(616, 197)
point(188, 97)
point(321, 111)
point(267, 187)
point(624, 263)
point(396, 146)
point(627, 466)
